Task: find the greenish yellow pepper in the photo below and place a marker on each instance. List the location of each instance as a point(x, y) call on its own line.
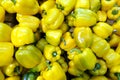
point(99, 46)
point(103, 29)
point(53, 37)
point(85, 60)
point(102, 16)
point(66, 6)
point(67, 42)
point(13, 78)
point(51, 72)
point(2, 14)
point(99, 78)
point(95, 5)
point(52, 53)
point(83, 37)
point(64, 27)
point(53, 19)
point(21, 36)
point(28, 21)
point(100, 68)
point(12, 69)
point(116, 27)
point(83, 18)
point(40, 78)
point(6, 53)
point(28, 56)
point(27, 7)
point(2, 77)
point(5, 32)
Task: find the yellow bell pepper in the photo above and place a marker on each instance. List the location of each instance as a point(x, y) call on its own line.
point(85, 60)
point(112, 58)
point(53, 37)
point(63, 64)
point(13, 78)
point(9, 5)
point(83, 37)
point(2, 77)
point(67, 42)
point(51, 72)
point(100, 68)
point(99, 78)
point(103, 29)
point(65, 6)
point(27, 7)
point(114, 40)
point(21, 36)
point(118, 2)
point(73, 70)
point(64, 27)
point(40, 78)
point(28, 56)
point(99, 46)
point(115, 72)
point(95, 5)
point(28, 21)
point(52, 53)
point(45, 6)
point(6, 53)
point(5, 32)
point(52, 20)
point(12, 69)
point(118, 48)
point(83, 18)
point(102, 16)
point(116, 27)
point(107, 4)
point(113, 13)
point(82, 4)
point(2, 14)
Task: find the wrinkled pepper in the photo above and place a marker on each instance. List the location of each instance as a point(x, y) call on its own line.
point(2, 77)
point(31, 8)
point(67, 42)
point(52, 53)
point(102, 16)
point(52, 20)
point(51, 72)
point(28, 56)
point(2, 14)
point(13, 78)
point(21, 36)
point(99, 46)
point(53, 37)
point(85, 60)
point(13, 69)
point(28, 21)
point(95, 5)
point(5, 32)
point(6, 53)
point(65, 6)
point(100, 68)
point(83, 37)
point(103, 29)
point(83, 17)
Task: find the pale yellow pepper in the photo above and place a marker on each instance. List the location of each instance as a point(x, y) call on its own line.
point(102, 16)
point(2, 14)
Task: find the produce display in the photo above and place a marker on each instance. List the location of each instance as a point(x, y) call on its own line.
point(59, 39)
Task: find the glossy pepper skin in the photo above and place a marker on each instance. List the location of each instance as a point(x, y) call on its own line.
point(8, 5)
point(83, 17)
point(95, 5)
point(115, 72)
point(113, 13)
point(6, 53)
point(100, 68)
point(51, 71)
point(2, 12)
point(83, 37)
point(52, 20)
point(116, 27)
point(13, 69)
point(99, 78)
point(13, 78)
point(85, 60)
point(52, 53)
point(99, 46)
point(2, 77)
point(53, 37)
point(40, 78)
point(28, 21)
point(67, 42)
point(102, 15)
point(118, 48)
point(65, 6)
point(5, 32)
point(28, 56)
point(21, 36)
point(31, 8)
point(103, 29)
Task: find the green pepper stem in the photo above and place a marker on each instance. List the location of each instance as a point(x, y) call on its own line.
point(97, 67)
point(115, 12)
point(54, 54)
point(14, 1)
point(17, 69)
point(59, 6)
point(117, 75)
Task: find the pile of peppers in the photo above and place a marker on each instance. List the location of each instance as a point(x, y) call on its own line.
point(59, 39)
